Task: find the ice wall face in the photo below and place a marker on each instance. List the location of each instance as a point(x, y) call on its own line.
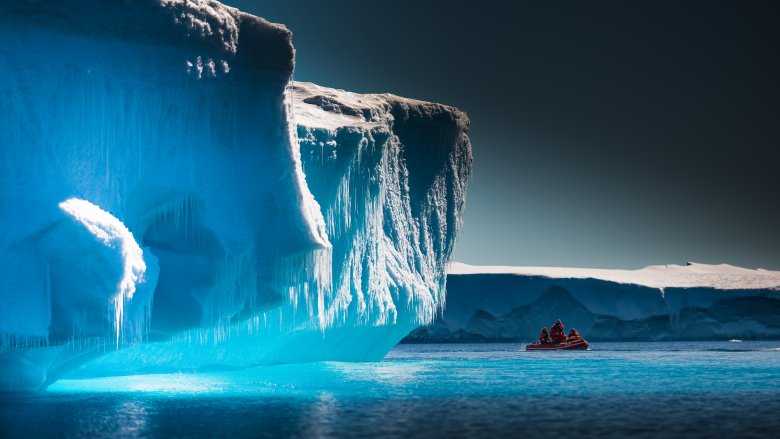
point(694, 302)
point(390, 175)
point(169, 121)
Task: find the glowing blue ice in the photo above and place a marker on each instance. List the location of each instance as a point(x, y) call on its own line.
point(206, 233)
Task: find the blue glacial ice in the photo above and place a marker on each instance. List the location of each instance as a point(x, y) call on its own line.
point(170, 199)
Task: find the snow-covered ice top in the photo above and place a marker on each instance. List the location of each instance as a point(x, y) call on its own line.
point(692, 275)
point(315, 106)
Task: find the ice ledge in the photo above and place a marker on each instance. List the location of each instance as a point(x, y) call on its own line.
point(320, 107)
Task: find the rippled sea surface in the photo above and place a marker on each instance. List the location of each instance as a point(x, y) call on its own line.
point(705, 389)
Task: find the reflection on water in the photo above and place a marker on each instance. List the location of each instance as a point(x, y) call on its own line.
point(320, 417)
point(132, 417)
point(700, 390)
point(386, 373)
point(163, 383)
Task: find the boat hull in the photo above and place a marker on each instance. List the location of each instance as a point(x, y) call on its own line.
point(579, 345)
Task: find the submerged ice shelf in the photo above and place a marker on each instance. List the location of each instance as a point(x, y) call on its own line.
point(170, 200)
point(664, 302)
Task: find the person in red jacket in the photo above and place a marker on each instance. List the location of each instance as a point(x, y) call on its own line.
point(556, 332)
point(544, 337)
point(574, 335)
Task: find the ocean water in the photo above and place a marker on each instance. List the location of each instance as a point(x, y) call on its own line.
point(703, 389)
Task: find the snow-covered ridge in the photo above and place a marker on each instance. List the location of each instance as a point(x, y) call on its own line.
point(722, 276)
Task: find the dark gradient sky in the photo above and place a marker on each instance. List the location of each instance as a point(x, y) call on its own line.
point(614, 134)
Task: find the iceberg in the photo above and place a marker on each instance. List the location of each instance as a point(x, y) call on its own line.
point(171, 200)
point(663, 302)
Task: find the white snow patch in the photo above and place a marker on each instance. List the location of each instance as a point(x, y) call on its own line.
point(112, 233)
point(207, 19)
point(315, 106)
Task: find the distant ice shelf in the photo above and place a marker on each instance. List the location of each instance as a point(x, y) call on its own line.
point(664, 302)
point(691, 275)
point(172, 200)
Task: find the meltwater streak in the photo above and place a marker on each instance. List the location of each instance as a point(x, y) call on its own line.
point(485, 390)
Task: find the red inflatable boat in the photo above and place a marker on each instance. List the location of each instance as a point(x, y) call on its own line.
point(579, 344)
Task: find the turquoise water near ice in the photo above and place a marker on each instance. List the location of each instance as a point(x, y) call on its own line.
point(700, 389)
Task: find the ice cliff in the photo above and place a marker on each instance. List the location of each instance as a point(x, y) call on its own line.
point(668, 302)
point(170, 200)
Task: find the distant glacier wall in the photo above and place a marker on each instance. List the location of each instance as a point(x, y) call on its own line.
point(162, 207)
point(694, 302)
